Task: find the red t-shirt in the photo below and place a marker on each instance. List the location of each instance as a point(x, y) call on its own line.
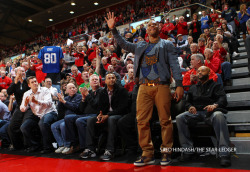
point(78, 78)
point(5, 82)
point(79, 59)
point(40, 76)
point(129, 86)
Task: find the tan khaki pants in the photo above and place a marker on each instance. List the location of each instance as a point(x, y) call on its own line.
point(148, 96)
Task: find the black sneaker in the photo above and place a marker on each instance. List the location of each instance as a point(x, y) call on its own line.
point(87, 154)
point(108, 155)
point(225, 161)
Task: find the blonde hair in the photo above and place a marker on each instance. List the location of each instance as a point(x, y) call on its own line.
point(241, 8)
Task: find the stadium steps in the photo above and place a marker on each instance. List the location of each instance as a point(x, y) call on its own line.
point(240, 84)
point(238, 96)
point(240, 72)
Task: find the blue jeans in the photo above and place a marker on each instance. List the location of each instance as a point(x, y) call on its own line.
point(4, 130)
point(27, 128)
point(218, 121)
point(79, 121)
point(58, 130)
point(44, 125)
point(219, 80)
point(226, 70)
point(110, 124)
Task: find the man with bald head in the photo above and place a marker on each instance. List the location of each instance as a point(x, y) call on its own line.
point(67, 106)
point(207, 102)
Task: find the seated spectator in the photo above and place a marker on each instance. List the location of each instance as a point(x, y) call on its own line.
point(105, 63)
point(212, 30)
point(181, 43)
point(187, 58)
point(116, 66)
point(39, 100)
point(117, 75)
point(88, 107)
point(220, 52)
point(128, 61)
point(211, 62)
point(113, 105)
point(53, 90)
point(86, 84)
point(208, 106)
point(5, 116)
point(77, 75)
point(129, 66)
point(3, 98)
point(5, 81)
point(190, 77)
point(129, 80)
point(67, 106)
point(28, 71)
point(201, 45)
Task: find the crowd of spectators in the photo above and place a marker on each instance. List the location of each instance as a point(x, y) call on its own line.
point(209, 41)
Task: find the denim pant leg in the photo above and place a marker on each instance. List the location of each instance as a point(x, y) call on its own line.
point(219, 80)
point(226, 69)
point(219, 123)
point(90, 133)
point(81, 124)
point(45, 127)
point(112, 128)
point(56, 131)
point(27, 129)
point(62, 128)
point(4, 130)
point(183, 129)
point(70, 128)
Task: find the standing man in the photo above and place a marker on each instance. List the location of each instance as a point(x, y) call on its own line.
point(247, 44)
point(152, 65)
point(18, 87)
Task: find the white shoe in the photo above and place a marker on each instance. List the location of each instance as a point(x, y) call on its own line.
point(60, 150)
point(65, 150)
point(235, 54)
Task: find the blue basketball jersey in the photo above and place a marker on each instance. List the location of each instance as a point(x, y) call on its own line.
point(50, 56)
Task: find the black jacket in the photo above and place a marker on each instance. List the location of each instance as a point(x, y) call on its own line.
point(119, 101)
point(91, 102)
point(209, 93)
point(18, 90)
